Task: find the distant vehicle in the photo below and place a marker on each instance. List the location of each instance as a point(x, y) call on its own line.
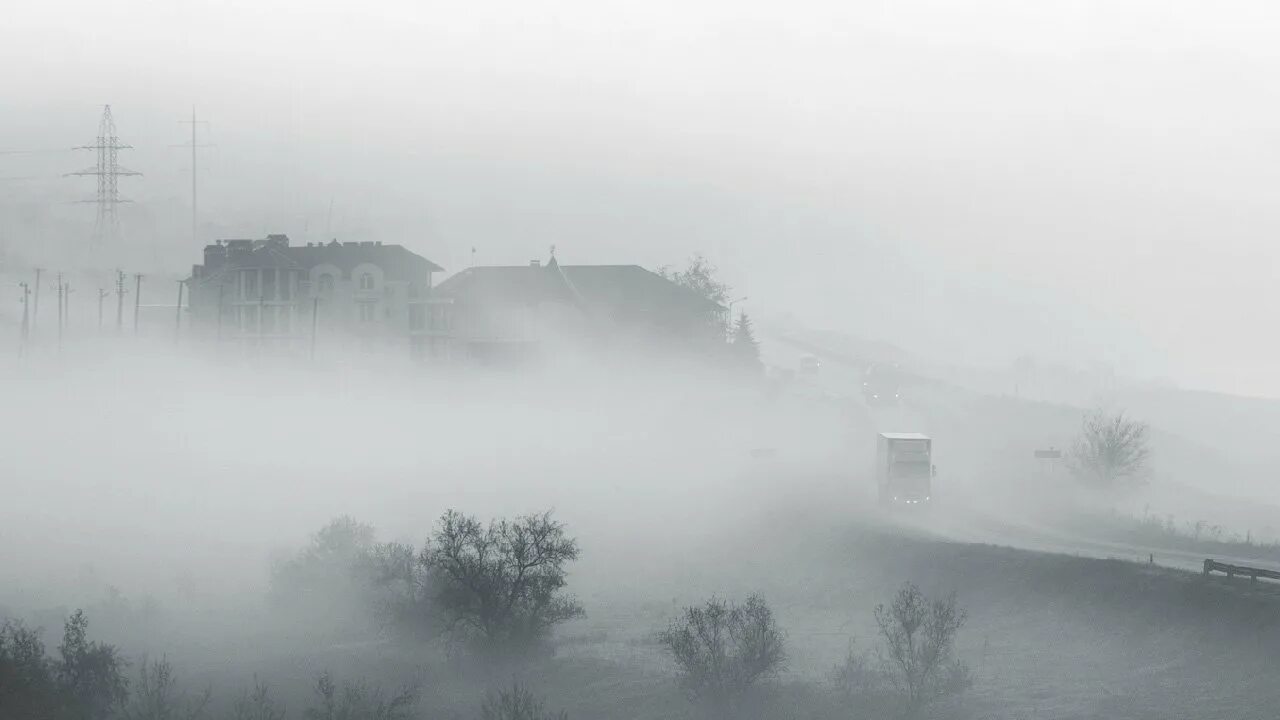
point(904, 469)
point(809, 365)
point(882, 385)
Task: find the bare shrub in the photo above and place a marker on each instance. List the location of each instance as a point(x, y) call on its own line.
point(1110, 448)
point(518, 703)
point(501, 587)
point(257, 705)
point(358, 702)
point(156, 695)
point(723, 649)
point(856, 677)
point(919, 637)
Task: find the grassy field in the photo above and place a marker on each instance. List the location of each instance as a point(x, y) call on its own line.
point(1048, 636)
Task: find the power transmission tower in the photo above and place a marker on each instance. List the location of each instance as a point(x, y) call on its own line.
point(195, 195)
point(108, 171)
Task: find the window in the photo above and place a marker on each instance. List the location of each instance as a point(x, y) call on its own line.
point(326, 286)
point(367, 312)
point(366, 281)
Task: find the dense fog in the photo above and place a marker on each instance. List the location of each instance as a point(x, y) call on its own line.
point(638, 360)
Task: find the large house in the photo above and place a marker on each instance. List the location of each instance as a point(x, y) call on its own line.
point(271, 294)
point(507, 312)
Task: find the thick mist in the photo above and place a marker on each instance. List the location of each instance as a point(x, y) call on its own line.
point(1083, 183)
point(1009, 227)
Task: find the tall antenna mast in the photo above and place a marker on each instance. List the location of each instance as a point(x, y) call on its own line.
point(108, 172)
point(195, 195)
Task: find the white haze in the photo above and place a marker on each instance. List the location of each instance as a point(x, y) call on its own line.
point(1088, 182)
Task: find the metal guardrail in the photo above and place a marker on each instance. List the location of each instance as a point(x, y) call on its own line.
point(1232, 570)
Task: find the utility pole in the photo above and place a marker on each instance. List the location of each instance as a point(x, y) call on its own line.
point(26, 321)
point(66, 307)
point(221, 287)
point(60, 308)
point(177, 316)
point(35, 311)
point(195, 195)
point(315, 318)
point(102, 295)
point(120, 300)
point(137, 300)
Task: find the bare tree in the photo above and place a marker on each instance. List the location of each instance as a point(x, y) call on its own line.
point(518, 703)
point(502, 586)
point(1110, 448)
point(919, 637)
point(723, 649)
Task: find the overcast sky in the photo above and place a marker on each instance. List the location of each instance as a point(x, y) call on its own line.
point(1092, 181)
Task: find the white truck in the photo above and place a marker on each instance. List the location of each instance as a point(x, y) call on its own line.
point(904, 468)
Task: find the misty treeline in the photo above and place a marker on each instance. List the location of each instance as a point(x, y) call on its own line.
point(487, 597)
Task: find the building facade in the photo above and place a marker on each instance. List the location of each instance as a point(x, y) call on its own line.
point(272, 295)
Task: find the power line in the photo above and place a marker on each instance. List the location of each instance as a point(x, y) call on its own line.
point(108, 171)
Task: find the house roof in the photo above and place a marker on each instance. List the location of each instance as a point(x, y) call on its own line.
point(904, 436)
point(628, 286)
point(397, 262)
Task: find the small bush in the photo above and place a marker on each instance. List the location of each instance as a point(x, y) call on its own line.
point(518, 703)
point(358, 702)
point(156, 696)
point(919, 637)
point(329, 582)
point(723, 649)
point(257, 705)
point(856, 677)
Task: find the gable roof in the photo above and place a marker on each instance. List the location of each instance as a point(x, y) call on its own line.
point(615, 286)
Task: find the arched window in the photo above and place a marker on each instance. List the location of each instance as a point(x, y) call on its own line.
point(366, 281)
